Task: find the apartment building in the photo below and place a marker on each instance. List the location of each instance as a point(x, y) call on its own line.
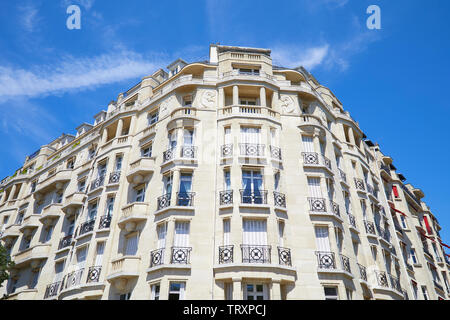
point(223, 179)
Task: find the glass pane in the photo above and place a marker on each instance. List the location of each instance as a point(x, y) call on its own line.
point(259, 288)
point(249, 288)
point(175, 286)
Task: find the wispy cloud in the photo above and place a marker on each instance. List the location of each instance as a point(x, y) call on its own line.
point(71, 74)
point(86, 4)
point(293, 56)
point(29, 18)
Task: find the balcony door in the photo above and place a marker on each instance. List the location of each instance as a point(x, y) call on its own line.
point(250, 135)
point(172, 140)
point(81, 258)
point(99, 254)
point(308, 144)
point(255, 232)
point(188, 137)
point(252, 186)
point(101, 170)
point(184, 196)
point(181, 236)
point(162, 232)
point(256, 291)
point(314, 187)
point(322, 239)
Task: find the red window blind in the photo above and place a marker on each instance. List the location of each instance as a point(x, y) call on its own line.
point(427, 224)
point(394, 189)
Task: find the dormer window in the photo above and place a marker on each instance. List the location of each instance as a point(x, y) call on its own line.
point(187, 101)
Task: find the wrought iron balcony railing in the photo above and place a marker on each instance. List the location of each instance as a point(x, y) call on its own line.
point(335, 208)
point(395, 284)
point(310, 157)
point(226, 254)
point(189, 152)
point(97, 183)
point(317, 204)
point(275, 152)
point(105, 222)
point(227, 150)
point(252, 149)
point(382, 279)
point(163, 201)
point(326, 260)
point(362, 272)
point(384, 233)
point(284, 256)
point(352, 220)
point(94, 274)
point(370, 227)
point(185, 199)
point(86, 227)
point(254, 197)
point(255, 253)
point(65, 242)
point(168, 154)
point(226, 197)
point(359, 184)
point(181, 255)
point(279, 199)
point(157, 257)
point(74, 278)
point(114, 177)
point(326, 162)
point(52, 290)
point(346, 263)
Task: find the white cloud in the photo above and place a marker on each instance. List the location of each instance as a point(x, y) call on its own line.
point(293, 57)
point(29, 18)
point(71, 74)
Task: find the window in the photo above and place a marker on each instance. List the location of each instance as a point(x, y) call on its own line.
point(19, 218)
point(403, 221)
point(125, 296)
point(308, 144)
point(322, 239)
point(227, 180)
point(81, 257)
point(250, 135)
point(247, 101)
point(248, 71)
point(71, 163)
point(131, 245)
point(101, 170)
point(395, 190)
point(48, 233)
point(172, 140)
point(413, 256)
point(226, 232)
point(349, 294)
point(91, 153)
point(415, 289)
point(34, 278)
point(374, 252)
point(140, 193)
point(184, 198)
point(81, 185)
point(281, 233)
point(92, 211)
point(146, 152)
point(161, 231)
point(227, 135)
point(99, 254)
point(109, 206)
point(314, 187)
point(252, 186)
point(155, 291)
point(58, 197)
point(168, 182)
point(425, 293)
point(153, 117)
point(70, 227)
point(331, 293)
point(255, 291)
point(228, 287)
point(188, 137)
point(119, 159)
point(187, 101)
point(59, 268)
point(176, 290)
point(276, 178)
point(181, 236)
point(33, 186)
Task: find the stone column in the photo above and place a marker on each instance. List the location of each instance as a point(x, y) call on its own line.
point(237, 289)
point(11, 194)
point(169, 240)
point(351, 135)
point(119, 128)
point(104, 135)
point(221, 98)
point(275, 98)
point(175, 186)
point(262, 97)
point(235, 95)
point(275, 290)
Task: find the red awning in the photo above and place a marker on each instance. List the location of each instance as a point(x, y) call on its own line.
point(448, 255)
point(423, 234)
point(445, 245)
point(393, 208)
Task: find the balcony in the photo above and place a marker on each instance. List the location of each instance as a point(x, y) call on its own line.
point(342, 175)
point(183, 113)
point(122, 269)
point(226, 198)
point(55, 181)
point(11, 232)
point(188, 152)
point(86, 227)
point(359, 184)
point(362, 272)
point(132, 214)
point(382, 279)
point(50, 214)
point(370, 228)
point(121, 141)
point(352, 221)
point(312, 159)
point(114, 177)
point(157, 257)
point(252, 150)
point(226, 150)
point(185, 199)
point(168, 155)
point(105, 222)
point(97, 183)
point(318, 207)
point(180, 255)
point(253, 198)
point(73, 202)
point(384, 234)
point(279, 199)
point(72, 279)
point(65, 242)
point(345, 264)
point(93, 275)
point(52, 290)
point(284, 256)
point(256, 253)
point(226, 254)
point(163, 202)
point(317, 204)
point(140, 170)
point(30, 223)
point(275, 153)
point(259, 112)
point(33, 256)
point(325, 260)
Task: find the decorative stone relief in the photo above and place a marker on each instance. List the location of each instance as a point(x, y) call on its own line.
point(287, 104)
point(165, 105)
point(317, 109)
point(209, 98)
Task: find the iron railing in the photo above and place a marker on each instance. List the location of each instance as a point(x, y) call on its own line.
point(284, 256)
point(52, 290)
point(343, 175)
point(227, 150)
point(185, 199)
point(326, 162)
point(279, 199)
point(326, 260)
point(256, 253)
point(226, 254)
point(335, 208)
point(310, 157)
point(382, 279)
point(105, 222)
point(346, 263)
point(226, 197)
point(255, 197)
point(317, 204)
point(157, 257)
point(164, 201)
point(370, 227)
point(352, 220)
point(181, 255)
point(252, 149)
point(359, 184)
point(189, 152)
point(65, 242)
point(362, 272)
point(94, 274)
point(87, 226)
point(74, 278)
point(395, 284)
point(97, 183)
point(275, 152)
point(114, 177)
point(168, 154)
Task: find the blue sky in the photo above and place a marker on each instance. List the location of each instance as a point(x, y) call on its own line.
point(393, 81)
